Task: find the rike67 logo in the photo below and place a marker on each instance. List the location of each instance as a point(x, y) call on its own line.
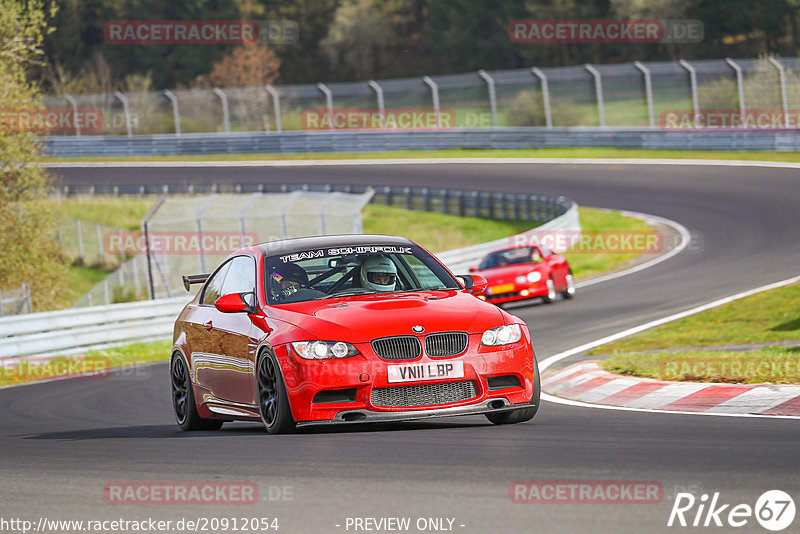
point(774, 510)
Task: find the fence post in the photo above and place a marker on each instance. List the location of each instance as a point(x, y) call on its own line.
point(328, 103)
point(598, 88)
point(426, 199)
point(492, 96)
point(407, 193)
point(445, 199)
point(381, 105)
point(548, 116)
point(648, 91)
point(74, 104)
point(145, 221)
point(693, 84)
point(176, 116)
point(226, 118)
point(79, 229)
point(435, 98)
point(126, 107)
point(100, 253)
point(276, 106)
point(740, 86)
point(784, 95)
point(1, 303)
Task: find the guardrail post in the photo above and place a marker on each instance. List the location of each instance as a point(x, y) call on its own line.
point(407, 193)
point(176, 116)
point(475, 202)
point(387, 191)
point(276, 106)
point(598, 88)
point(740, 86)
point(226, 118)
point(693, 85)
point(648, 91)
point(492, 96)
point(435, 98)
point(784, 95)
point(381, 107)
point(74, 104)
point(548, 116)
point(126, 107)
point(445, 200)
point(328, 103)
point(426, 199)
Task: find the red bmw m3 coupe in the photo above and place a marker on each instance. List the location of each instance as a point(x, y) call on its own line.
point(346, 329)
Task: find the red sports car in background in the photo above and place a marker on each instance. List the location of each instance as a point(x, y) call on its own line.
point(525, 272)
point(344, 329)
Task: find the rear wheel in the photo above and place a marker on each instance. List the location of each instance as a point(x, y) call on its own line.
point(551, 291)
point(183, 399)
point(524, 414)
point(273, 403)
point(570, 291)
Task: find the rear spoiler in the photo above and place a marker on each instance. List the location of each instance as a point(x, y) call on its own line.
point(190, 279)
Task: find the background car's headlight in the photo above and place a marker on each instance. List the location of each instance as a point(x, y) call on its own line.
point(502, 335)
point(323, 350)
point(534, 276)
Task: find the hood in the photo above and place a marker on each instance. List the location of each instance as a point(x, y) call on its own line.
point(508, 274)
point(360, 319)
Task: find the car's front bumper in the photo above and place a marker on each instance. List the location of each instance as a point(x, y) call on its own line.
point(370, 416)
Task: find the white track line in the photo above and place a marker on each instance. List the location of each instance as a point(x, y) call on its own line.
point(544, 364)
point(423, 161)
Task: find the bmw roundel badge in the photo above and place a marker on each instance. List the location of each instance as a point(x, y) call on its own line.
point(418, 329)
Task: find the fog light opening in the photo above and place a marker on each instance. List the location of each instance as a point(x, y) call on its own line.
point(496, 404)
point(354, 416)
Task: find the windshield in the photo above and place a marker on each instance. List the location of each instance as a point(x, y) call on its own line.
point(511, 256)
point(346, 271)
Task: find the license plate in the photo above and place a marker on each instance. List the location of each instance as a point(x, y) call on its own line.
point(502, 288)
point(425, 371)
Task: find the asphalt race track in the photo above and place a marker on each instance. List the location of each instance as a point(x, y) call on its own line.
point(62, 442)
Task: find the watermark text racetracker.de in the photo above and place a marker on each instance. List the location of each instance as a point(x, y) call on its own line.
point(150, 525)
point(177, 243)
point(562, 31)
point(726, 119)
point(586, 492)
point(163, 32)
point(592, 242)
point(51, 120)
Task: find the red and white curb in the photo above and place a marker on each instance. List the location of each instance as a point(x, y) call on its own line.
point(587, 382)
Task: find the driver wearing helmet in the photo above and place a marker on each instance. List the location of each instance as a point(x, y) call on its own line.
point(286, 280)
point(378, 273)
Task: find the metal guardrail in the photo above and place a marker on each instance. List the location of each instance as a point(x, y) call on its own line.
point(499, 138)
point(68, 331)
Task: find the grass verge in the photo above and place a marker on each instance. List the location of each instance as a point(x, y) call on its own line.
point(763, 318)
point(792, 157)
point(98, 361)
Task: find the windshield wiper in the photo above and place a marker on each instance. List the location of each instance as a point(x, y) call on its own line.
point(346, 293)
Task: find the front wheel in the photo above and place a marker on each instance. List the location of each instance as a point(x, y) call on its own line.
point(551, 291)
point(273, 403)
point(183, 402)
point(570, 291)
point(525, 414)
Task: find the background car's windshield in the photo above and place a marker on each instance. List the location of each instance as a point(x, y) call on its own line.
point(502, 258)
point(341, 271)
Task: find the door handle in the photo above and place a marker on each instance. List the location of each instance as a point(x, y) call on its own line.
point(208, 326)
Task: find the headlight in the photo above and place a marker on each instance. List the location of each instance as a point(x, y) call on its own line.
point(502, 335)
point(323, 350)
point(534, 276)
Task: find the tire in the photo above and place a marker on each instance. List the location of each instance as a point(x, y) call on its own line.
point(273, 403)
point(551, 291)
point(570, 291)
point(183, 403)
point(525, 414)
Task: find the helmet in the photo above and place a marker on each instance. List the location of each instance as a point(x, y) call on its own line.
point(374, 270)
point(288, 272)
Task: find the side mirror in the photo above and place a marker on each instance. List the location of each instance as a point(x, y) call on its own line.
point(236, 303)
point(473, 269)
point(474, 283)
